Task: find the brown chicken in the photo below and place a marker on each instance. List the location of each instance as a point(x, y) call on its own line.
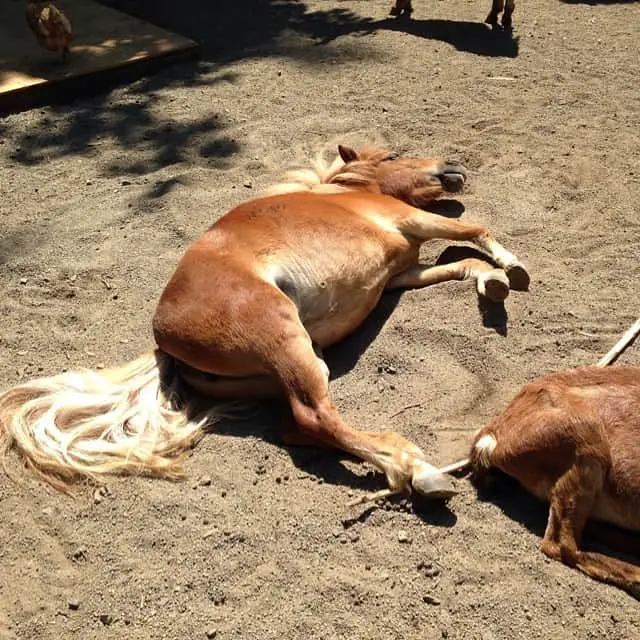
point(50, 25)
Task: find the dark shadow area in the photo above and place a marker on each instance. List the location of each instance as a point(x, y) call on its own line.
point(342, 357)
point(519, 505)
point(472, 37)
point(448, 208)
point(229, 31)
point(434, 512)
point(134, 122)
point(224, 32)
point(238, 29)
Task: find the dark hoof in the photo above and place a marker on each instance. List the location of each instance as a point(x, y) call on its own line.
point(494, 286)
point(519, 279)
point(492, 19)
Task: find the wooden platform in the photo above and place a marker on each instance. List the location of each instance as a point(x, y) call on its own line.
point(105, 40)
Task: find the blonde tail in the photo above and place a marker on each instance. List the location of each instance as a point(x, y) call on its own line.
point(89, 423)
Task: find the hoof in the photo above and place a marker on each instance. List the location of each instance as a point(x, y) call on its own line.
point(431, 482)
point(492, 19)
point(519, 279)
point(634, 591)
point(494, 285)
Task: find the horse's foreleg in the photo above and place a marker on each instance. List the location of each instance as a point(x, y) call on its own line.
point(490, 282)
point(426, 226)
point(516, 271)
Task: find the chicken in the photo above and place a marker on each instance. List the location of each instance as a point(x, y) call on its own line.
point(50, 26)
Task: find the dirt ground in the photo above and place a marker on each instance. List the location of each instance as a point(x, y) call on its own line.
point(98, 200)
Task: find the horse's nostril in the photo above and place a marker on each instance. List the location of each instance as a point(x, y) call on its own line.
point(452, 181)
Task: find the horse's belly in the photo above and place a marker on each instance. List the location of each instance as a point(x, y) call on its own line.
point(333, 302)
point(330, 320)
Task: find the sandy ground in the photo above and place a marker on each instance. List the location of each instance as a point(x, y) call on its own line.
point(98, 200)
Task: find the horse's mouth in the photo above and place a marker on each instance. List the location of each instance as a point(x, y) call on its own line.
point(452, 176)
point(453, 182)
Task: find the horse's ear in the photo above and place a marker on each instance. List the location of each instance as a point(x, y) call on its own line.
point(347, 153)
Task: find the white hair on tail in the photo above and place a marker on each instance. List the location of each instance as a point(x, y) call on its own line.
point(484, 448)
point(88, 423)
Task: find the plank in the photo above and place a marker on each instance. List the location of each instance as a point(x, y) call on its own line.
point(104, 40)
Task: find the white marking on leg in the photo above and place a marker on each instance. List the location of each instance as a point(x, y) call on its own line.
point(503, 257)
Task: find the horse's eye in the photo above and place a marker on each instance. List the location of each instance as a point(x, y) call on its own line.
point(392, 156)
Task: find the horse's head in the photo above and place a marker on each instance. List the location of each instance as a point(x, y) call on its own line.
point(417, 181)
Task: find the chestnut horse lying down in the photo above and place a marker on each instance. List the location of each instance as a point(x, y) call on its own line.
point(404, 8)
point(573, 439)
point(246, 315)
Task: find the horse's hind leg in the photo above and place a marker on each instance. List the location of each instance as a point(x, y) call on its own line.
point(571, 502)
point(290, 354)
point(426, 226)
point(490, 282)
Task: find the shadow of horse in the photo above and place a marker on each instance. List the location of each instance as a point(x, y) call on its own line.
point(472, 37)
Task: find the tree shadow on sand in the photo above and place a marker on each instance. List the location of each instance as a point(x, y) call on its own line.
point(84, 112)
point(226, 32)
point(234, 30)
point(158, 140)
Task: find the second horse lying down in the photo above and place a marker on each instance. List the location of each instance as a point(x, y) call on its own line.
point(247, 313)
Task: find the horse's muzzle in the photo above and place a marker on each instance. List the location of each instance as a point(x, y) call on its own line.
point(452, 176)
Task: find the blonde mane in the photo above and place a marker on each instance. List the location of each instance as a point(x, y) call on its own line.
point(334, 176)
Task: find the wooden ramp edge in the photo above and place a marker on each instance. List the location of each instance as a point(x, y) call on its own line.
point(108, 46)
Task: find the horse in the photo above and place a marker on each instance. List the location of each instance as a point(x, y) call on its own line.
point(572, 439)
point(247, 314)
